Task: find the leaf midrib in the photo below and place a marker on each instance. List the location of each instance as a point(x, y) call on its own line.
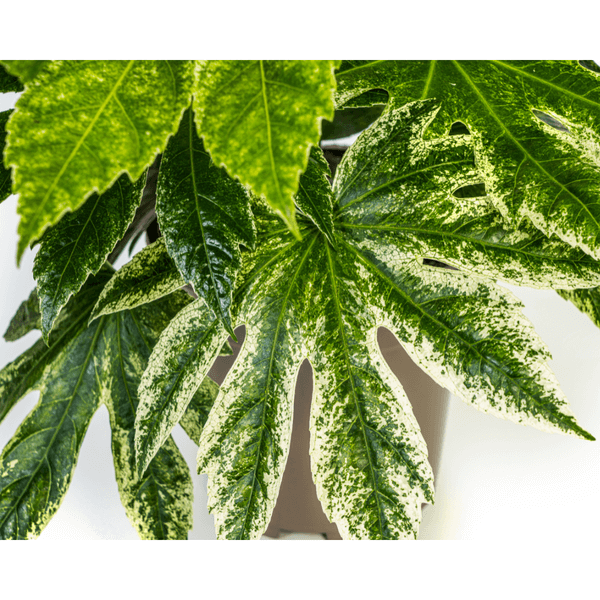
point(207, 253)
point(471, 240)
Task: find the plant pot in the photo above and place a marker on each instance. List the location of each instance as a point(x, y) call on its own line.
point(297, 508)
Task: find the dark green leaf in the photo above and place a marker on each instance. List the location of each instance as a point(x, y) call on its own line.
point(314, 197)
point(203, 215)
point(26, 319)
point(37, 464)
point(8, 82)
point(79, 243)
point(350, 121)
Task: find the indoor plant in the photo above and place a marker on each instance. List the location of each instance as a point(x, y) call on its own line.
point(497, 177)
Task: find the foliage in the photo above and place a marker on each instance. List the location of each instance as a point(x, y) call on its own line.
point(473, 172)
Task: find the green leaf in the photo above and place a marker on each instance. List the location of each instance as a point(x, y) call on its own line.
point(177, 366)
point(149, 275)
point(8, 82)
point(159, 504)
point(26, 70)
point(259, 119)
point(203, 215)
point(26, 319)
point(314, 197)
point(400, 189)
point(5, 174)
point(37, 464)
point(196, 414)
point(79, 243)
point(535, 127)
point(26, 373)
point(81, 124)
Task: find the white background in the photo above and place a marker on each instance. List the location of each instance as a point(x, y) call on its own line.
point(498, 481)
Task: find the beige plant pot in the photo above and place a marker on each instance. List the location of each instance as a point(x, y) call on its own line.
point(298, 509)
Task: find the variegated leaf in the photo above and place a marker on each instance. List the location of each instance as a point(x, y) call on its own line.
point(259, 119)
point(369, 459)
point(535, 127)
point(203, 215)
point(81, 368)
point(79, 125)
point(245, 442)
point(400, 189)
point(158, 504)
point(587, 301)
point(37, 464)
point(468, 334)
point(149, 275)
point(178, 364)
point(79, 243)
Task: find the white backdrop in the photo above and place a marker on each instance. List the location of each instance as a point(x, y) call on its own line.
point(498, 481)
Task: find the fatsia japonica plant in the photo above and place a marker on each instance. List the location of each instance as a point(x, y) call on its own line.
point(464, 173)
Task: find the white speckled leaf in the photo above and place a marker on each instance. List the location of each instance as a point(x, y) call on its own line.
point(535, 126)
point(158, 504)
point(259, 119)
point(149, 275)
point(81, 368)
point(179, 362)
point(196, 414)
point(399, 189)
point(79, 125)
point(368, 456)
point(245, 442)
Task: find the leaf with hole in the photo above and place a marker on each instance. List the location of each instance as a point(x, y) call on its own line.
point(534, 124)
